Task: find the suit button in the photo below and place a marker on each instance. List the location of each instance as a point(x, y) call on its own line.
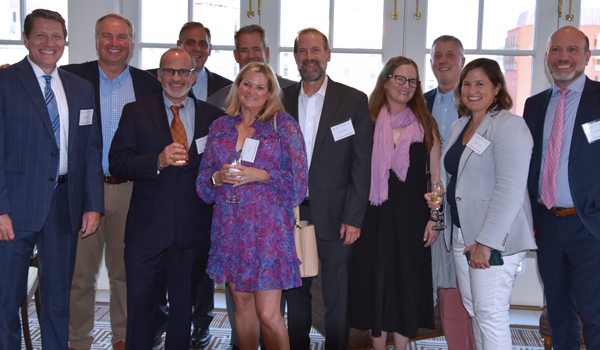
point(51, 179)
point(53, 154)
point(458, 199)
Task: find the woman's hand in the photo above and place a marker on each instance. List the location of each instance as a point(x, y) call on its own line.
point(430, 234)
point(244, 176)
point(431, 204)
point(480, 256)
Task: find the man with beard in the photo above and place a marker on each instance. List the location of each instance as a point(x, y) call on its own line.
point(250, 46)
point(564, 189)
point(159, 145)
point(115, 84)
point(338, 184)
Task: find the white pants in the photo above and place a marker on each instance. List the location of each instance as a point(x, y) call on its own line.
point(486, 295)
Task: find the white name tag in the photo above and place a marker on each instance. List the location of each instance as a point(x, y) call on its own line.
point(592, 130)
point(201, 144)
point(478, 144)
point(249, 150)
point(341, 131)
point(86, 116)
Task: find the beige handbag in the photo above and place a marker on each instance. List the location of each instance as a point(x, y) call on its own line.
point(306, 246)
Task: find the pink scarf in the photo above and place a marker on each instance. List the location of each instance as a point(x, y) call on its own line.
point(385, 157)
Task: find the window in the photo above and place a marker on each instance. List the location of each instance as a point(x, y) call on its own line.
point(12, 16)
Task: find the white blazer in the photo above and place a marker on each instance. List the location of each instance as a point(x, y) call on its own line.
point(491, 188)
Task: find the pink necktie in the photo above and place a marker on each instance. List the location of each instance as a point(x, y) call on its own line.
point(553, 153)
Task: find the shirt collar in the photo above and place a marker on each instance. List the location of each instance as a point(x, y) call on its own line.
point(442, 97)
point(39, 72)
point(169, 103)
point(576, 86)
point(119, 79)
point(321, 91)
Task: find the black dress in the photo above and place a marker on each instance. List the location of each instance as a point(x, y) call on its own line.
point(390, 272)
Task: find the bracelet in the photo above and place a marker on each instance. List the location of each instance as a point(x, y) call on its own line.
point(213, 181)
point(432, 219)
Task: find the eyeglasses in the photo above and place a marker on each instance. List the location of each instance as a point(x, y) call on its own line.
point(400, 80)
point(182, 72)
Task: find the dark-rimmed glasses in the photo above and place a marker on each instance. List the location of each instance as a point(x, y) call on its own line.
point(182, 72)
point(400, 80)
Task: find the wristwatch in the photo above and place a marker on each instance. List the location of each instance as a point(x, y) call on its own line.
point(158, 167)
point(213, 182)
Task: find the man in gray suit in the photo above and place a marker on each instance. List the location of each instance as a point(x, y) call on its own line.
point(338, 184)
point(250, 46)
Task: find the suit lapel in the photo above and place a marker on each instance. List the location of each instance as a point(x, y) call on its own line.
point(586, 112)
point(92, 74)
point(539, 126)
point(158, 114)
point(291, 101)
point(71, 95)
point(332, 98)
point(481, 130)
point(31, 85)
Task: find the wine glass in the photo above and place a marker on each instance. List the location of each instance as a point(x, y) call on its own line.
point(234, 158)
point(437, 196)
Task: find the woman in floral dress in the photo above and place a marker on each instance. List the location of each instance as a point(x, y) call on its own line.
point(253, 247)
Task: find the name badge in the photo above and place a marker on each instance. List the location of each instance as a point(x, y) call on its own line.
point(86, 116)
point(249, 150)
point(592, 130)
point(201, 144)
point(478, 144)
point(341, 131)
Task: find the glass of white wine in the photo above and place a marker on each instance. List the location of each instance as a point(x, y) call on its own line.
point(234, 158)
point(437, 196)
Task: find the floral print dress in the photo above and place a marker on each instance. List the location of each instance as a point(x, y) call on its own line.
point(252, 243)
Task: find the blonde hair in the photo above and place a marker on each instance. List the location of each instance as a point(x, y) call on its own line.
point(274, 102)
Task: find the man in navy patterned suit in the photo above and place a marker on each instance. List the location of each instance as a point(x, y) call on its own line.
point(50, 178)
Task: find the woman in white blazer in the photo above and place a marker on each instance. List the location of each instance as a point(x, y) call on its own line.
point(487, 211)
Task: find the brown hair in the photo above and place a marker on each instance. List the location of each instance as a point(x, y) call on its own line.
point(494, 74)
point(191, 25)
point(314, 31)
point(41, 13)
point(117, 16)
point(416, 104)
point(250, 29)
point(274, 103)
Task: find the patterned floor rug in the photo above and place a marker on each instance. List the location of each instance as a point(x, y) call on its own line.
point(524, 338)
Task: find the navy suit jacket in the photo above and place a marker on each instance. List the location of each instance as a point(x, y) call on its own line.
point(584, 158)
point(430, 99)
point(28, 150)
point(215, 81)
point(144, 84)
point(164, 207)
point(340, 172)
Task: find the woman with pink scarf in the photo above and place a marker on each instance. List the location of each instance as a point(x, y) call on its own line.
point(391, 282)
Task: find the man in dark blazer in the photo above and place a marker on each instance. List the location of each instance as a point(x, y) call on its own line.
point(565, 191)
point(115, 84)
point(168, 225)
point(50, 178)
point(338, 184)
point(195, 38)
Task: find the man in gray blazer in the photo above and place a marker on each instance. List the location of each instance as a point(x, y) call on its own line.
point(338, 183)
point(250, 46)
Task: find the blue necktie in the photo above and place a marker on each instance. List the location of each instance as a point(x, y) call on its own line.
point(52, 109)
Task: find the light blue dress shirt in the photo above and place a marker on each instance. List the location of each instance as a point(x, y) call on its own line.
point(563, 192)
point(186, 114)
point(200, 87)
point(114, 95)
point(444, 112)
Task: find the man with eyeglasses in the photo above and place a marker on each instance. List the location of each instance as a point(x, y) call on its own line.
point(115, 84)
point(159, 146)
point(447, 61)
point(338, 184)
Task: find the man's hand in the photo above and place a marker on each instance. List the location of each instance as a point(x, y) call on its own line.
point(6, 228)
point(430, 234)
point(90, 222)
point(352, 233)
point(6, 65)
point(171, 154)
